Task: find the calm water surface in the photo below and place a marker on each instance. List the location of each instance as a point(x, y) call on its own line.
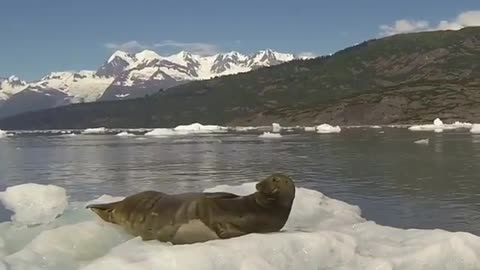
point(393, 180)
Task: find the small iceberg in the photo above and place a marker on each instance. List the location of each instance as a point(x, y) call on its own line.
point(310, 129)
point(276, 127)
point(422, 141)
point(34, 204)
point(270, 135)
point(326, 128)
point(161, 132)
point(439, 126)
point(125, 134)
point(100, 130)
point(475, 129)
point(242, 129)
point(3, 134)
point(199, 128)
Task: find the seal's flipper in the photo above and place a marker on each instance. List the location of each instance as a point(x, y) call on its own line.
point(104, 211)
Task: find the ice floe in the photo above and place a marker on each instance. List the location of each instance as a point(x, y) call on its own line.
point(3, 134)
point(125, 134)
point(326, 128)
point(276, 127)
point(199, 128)
point(99, 130)
point(34, 203)
point(475, 129)
point(270, 135)
point(439, 126)
point(321, 233)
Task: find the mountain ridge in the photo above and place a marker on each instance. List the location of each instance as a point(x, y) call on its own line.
point(402, 79)
point(124, 75)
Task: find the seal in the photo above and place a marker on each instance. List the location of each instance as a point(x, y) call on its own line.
point(188, 218)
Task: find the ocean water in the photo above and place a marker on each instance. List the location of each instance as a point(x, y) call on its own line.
point(394, 181)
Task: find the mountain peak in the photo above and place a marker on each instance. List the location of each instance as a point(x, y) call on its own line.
point(147, 55)
point(120, 54)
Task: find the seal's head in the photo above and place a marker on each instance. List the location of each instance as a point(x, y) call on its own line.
point(277, 189)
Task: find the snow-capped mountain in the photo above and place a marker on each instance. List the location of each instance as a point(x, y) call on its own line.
point(10, 86)
point(126, 75)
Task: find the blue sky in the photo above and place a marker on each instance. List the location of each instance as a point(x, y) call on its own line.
point(43, 36)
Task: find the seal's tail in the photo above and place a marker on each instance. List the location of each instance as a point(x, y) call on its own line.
point(104, 210)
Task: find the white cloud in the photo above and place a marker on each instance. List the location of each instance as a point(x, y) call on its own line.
point(307, 55)
point(464, 19)
point(129, 46)
point(193, 47)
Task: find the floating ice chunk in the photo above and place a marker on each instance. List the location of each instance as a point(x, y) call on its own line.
point(125, 134)
point(422, 141)
point(276, 127)
point(199, 128)
point(475, 129)
point(439, 126)
point(310, 129)
point(326, 128)
point(160, 132)
point(437, 122)
point(245, 128)
point(3, 134)
point(100, 130)
point(376, 127)
point(462, 124)
point(270, 135)
point(34, 203)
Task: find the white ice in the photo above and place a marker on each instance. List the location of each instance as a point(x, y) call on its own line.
point(160, 132)
point(439, 126)
point(422, 141)
point(199, 128)
point(3, 134)
point(321, 233)
point(125, 134)
point(33, 203)
point(240, 129)
point(270, 135)
point(99, 130)
point(326, 128)
point(475, 129)
point(276, 127)
point(310, 129)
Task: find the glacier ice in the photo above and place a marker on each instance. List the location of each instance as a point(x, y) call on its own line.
point(3, 134)
point(475, 129)
point(99, 130)
point(439, 126)
point(309, 129)
point(125, 134)
point(321, 233)
point(195, 128)
point(199, 128)
point(326, 128)
point(34, 203)
point(270, 135)
point(276, 127)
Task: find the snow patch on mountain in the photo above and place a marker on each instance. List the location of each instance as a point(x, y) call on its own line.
point(10, 86)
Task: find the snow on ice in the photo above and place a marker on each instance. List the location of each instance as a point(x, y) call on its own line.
point(321, 233)
point(3, 134)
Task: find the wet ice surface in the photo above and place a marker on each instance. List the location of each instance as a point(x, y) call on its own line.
point(393, 181)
